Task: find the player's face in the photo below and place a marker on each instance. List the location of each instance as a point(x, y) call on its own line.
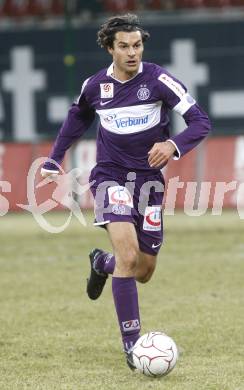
point(127, 54)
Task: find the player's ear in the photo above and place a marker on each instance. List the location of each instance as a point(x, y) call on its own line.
point(110, 50)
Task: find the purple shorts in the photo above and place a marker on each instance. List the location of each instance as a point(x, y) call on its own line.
point(134, 197)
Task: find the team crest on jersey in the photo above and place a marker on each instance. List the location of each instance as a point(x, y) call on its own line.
point(143, 93)
point(107, 90)
point(152, 218)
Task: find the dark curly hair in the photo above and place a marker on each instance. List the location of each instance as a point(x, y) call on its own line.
point(127, 22)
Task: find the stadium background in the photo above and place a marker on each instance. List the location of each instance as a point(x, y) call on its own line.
point(48, 48)
point(52, 337)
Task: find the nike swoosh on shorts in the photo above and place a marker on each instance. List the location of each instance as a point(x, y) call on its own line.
point(155, 246)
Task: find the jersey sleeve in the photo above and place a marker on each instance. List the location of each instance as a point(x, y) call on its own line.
point(78, 120)
point(175, 97)
point(174, 94)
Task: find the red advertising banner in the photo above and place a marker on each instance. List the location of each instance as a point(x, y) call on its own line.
point(15, 163)
point(210, 176)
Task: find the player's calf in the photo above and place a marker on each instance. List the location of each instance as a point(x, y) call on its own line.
point(145, 268)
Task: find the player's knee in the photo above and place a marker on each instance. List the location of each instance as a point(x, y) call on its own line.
point(143, 278)
point(128, 260)
point(145, 275)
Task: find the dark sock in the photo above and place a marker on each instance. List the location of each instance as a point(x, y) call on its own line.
point(105, 263)
point(126, 304)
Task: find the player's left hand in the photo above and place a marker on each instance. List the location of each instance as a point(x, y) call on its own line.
point(160, 154)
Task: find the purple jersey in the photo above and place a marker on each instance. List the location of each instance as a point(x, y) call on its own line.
point(133, 116)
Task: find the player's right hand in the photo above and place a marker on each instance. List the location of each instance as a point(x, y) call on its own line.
point(160, 153)
point(51, 175)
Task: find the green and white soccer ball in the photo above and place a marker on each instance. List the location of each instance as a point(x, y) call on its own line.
point(155, 354)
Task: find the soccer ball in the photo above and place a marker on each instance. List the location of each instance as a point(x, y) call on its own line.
point(155, 354)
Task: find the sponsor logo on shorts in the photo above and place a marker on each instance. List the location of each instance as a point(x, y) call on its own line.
point(119, 195)
point(131, 325)
point(152, 218)
point(118, 209)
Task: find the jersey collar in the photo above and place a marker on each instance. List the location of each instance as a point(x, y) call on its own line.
point(111, 69)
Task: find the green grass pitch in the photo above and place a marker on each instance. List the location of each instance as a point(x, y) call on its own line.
point(53, 337)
